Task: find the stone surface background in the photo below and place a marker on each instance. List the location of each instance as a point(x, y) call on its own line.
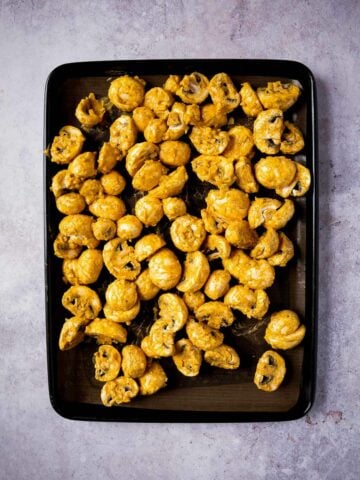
point(38, 35)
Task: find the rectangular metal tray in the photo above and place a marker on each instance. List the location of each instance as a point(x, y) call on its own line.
point(215, 395)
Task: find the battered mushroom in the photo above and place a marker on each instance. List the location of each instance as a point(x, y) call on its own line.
point(275, 172)
point(120, 260)
point(149, 175)
point(70, 203)
point(299, 186)
point(153, 379)
point(241, 235)
point(122, 316)
point(176, 124)
point(129, 227)
point(292, 139)
point(249, 101)
point(127, 93)
point(172, 83)
point(262, 209)
point(223, 356)
point(69, 272)
point(173, 309)
point(78, 229)
point(192, 115)
point(63, 181)
point(142, 117)
point(58, 184)
point(109, 155)
point(133, 361)
point(107, 363)
point(147, 290)
point(215, 314)
point(284, 330)
point(123, 133)
point(82, 302)
point(187, 358)
point(215, 169)
point(193, 300)
point(284, 254)
point(216, 246)
point(162, 349)
point(267, 244)
point(113, 183)
point(155, 130)
point(65, 248)
point(90, 111)
point(268, 129)
point(241, 143)
point(209, 141)
point(67, 145)
point(175, 153)
point(170, 185)
point(278, 95)
point(270, 371)
point(271, 211)
point(110, 206)
point(193, 88)
point(72, 332)
point(223, 92)
point(106, 331)
point(83, 166)
point(217, 284)
point(187, 233)
point(227, 206)
point(104, 229)
point(158, 100)
point(71, 182)
point(91, 190)
point(165, 269)
point(148, 245)
point(160, 342)
point(163, 327)
point(203, 336)
point(121, 294)
point(211, 117)
point(174, 207)
point(149, 210)
point(118, 391)
point(252, 303)
point(138, 154)
point(245, 177)
point(196, 272)
point(255, 274)
point(88, 266)
point(211, 224)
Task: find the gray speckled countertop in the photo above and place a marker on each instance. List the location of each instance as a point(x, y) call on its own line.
point(37, 36)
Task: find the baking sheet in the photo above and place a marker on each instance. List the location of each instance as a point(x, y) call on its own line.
point(215, 395)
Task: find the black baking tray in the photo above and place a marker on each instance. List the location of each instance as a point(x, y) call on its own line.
point(214, 396)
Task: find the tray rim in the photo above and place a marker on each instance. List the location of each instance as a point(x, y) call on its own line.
point(91, 412)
